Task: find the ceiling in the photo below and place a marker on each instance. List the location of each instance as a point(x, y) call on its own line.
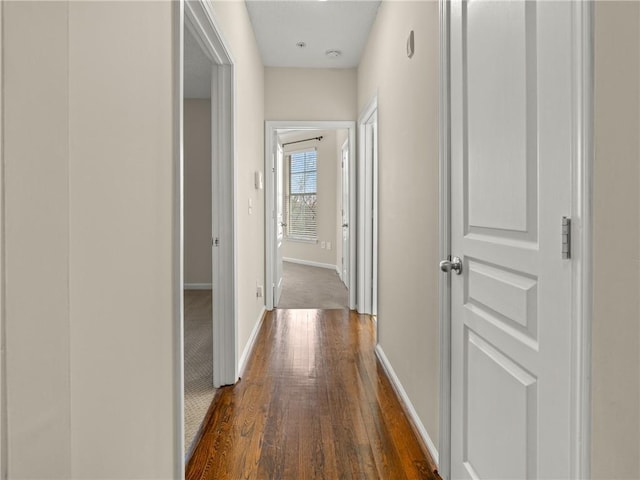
point(322, 25)
point(197, 69)
point(278, 25)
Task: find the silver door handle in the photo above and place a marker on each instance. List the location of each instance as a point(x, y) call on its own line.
point(345, 225)
point(454, 264)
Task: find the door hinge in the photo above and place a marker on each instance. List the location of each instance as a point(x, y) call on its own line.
point(215, 242)
point(566, 237)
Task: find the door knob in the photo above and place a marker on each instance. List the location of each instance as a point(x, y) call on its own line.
point(282, 224)
point(454, 264)
point(345, 225)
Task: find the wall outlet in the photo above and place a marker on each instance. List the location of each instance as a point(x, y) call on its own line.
point(323, 244)
point(328, 245)
point(259, 291)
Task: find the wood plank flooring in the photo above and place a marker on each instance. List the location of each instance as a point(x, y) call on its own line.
point(314, 403)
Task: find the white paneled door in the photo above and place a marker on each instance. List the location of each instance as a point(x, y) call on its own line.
point(280, 225)
point(511, 156)
point(345, 215)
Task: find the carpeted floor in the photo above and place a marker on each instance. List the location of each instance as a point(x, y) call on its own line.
point(312, 287)
point(198, 361)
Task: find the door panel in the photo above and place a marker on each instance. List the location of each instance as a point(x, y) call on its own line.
point(280, 221)
point(345, 215)
point(511, 134)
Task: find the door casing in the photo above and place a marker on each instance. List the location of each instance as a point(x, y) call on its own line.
point(581, 191)
point(367, 231)
point(271, 127)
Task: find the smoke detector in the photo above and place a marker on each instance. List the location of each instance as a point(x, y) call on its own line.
point(333, 53)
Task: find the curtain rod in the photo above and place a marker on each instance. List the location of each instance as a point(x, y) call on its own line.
point(306, 140)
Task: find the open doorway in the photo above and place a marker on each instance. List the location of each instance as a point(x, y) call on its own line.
point(309, 203)
point(198, 266)
point(207, 227)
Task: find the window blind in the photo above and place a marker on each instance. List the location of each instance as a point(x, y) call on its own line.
point(301, 203)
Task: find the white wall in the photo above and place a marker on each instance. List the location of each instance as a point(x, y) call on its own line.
point(89, 164)
point(326, 195)
point(249, 75)
point(310, 94)
point(408, 194)
point(197, 191)
point(615, 444)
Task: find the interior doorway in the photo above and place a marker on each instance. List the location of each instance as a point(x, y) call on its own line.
point(307, 263)
point(206, 226)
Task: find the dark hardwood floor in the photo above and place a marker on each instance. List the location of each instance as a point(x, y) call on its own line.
point(313, 403)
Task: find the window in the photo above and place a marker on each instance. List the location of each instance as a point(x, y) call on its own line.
point(301, 201)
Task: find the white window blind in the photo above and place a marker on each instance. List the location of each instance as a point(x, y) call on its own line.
point(301, 201)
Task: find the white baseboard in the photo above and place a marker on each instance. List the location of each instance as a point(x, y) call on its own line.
point(197, 286)
point(404, 398)
point(310, 263)
point(242, 363)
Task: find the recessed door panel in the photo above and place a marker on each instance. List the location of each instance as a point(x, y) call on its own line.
point(498, 392)
point(499, 76)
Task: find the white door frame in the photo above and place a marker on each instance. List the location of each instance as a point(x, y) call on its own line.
point(367, 231)
point(200, 21)
point(270, 142)
point(582, 174)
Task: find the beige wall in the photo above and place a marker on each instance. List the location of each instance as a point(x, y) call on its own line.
point(310, 94)
point(249, 75)
point(89, 161)
point(3, 376)
point(327, 164)
point(36, 155)
point(197, 191)
point(408, 172)
point(122, 243)
point(615, 445)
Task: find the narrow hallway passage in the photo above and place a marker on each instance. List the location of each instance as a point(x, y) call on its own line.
point(312, 403)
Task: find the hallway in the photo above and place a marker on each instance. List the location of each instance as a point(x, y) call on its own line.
point(313, 403)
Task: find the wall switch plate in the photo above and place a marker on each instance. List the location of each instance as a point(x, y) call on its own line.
point(259, 291)
point(323, 245)
point(328, 245)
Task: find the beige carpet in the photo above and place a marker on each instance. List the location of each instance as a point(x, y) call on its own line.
point(198, 361)
point(312, 287)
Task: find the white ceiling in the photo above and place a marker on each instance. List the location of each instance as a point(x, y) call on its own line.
point(197, 69)
point(323, 25)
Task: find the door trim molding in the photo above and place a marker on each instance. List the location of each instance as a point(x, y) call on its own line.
point(582, 172)
point(367, 233)
point(178, 240)
point(270, 128)
point(444, 248)
point(582, 275)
